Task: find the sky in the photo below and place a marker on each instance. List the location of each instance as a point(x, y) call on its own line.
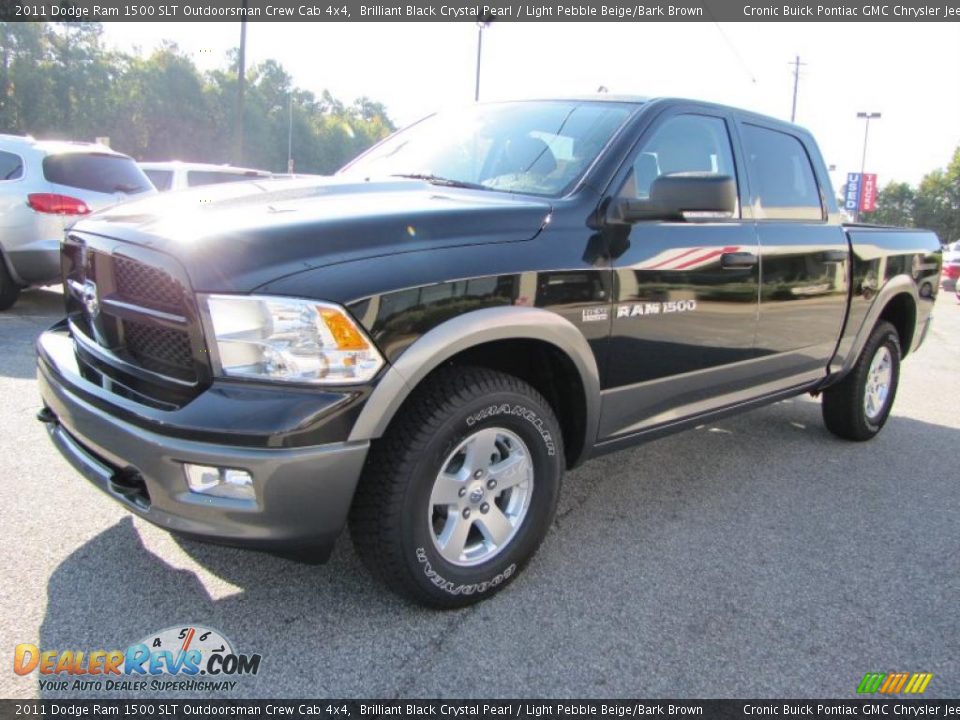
point(906, 71)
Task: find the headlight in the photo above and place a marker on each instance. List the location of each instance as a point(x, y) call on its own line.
point(277, 338)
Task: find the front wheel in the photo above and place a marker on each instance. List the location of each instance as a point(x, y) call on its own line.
point(459, 493)
point(858, 406)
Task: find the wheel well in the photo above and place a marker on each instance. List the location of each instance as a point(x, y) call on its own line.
point(548, 370)
point(901, 312)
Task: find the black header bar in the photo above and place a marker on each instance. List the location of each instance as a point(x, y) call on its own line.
point(488, 10)
point(176, 709)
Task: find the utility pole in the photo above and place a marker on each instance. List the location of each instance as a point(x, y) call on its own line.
point(241, 82)
point(796, 84)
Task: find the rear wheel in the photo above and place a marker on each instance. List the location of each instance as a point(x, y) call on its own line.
point(858, 406)
point(459, 493)
point(9, 290)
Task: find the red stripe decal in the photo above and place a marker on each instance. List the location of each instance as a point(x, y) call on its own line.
point(708, 256)
point(673, 259)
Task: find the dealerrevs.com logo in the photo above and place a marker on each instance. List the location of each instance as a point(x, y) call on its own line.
point(192, 658)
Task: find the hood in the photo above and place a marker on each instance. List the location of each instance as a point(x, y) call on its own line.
point(238, 236)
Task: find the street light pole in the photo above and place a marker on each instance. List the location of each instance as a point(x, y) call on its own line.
point(241, 82)
point(868, 116)
point(481, 26)
point(290, 137)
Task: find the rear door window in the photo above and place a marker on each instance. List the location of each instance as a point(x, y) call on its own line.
point(784, 185)
point(11, 166)
point(161, 179)
point(96, 172)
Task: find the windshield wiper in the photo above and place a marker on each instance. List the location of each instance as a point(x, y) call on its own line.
point(438, 180)
point(127, 188)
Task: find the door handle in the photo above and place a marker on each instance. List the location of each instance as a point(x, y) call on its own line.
point(737, 260)
point(834, 256)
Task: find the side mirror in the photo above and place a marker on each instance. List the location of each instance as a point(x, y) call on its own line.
point(674, 196)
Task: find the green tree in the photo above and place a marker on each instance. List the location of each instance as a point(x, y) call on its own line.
point(937, 204)
point(21, 55)
point(165, 109)
point(934, 204)
point(58, 80)
point(894, 205)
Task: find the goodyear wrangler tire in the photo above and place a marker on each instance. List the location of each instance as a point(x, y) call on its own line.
point(459, 493)
point(858, 406)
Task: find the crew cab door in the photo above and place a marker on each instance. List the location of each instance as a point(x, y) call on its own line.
point(804, 257)
point(685, 292)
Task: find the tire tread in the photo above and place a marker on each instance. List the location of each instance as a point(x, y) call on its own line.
point(842, 408)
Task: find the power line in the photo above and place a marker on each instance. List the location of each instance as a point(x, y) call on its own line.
point(733, 49)
point(796, 84)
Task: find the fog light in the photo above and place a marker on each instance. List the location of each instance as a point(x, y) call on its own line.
point(221, 482)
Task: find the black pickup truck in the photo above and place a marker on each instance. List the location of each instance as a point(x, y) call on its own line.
point(423, 343)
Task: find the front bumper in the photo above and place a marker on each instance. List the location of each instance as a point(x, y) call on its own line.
point(303, 494)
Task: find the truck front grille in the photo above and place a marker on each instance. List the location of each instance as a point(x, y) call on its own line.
point(159, 349)
point(151, 286)
point(134, 320)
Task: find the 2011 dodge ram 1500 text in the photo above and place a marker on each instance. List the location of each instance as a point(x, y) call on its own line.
point(424, 343)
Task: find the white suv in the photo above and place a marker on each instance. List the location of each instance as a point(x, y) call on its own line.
point(44, 187)
point(176, 175)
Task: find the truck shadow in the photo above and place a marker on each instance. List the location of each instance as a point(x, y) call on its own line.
point(766, 547)
point(114, 591)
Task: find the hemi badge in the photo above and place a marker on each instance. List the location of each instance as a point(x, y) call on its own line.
point(596, 314)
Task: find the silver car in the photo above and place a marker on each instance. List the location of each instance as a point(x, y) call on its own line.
point(45, 186)
point(176, 175)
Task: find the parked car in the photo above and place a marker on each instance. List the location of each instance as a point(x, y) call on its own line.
point(45, 186)
point(176, 175)
point(424, 343)
point(951, 262)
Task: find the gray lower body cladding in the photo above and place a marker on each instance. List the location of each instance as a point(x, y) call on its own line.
point(302, 495)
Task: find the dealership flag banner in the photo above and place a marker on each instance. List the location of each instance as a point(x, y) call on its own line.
point(868, 192)
point(851, 197)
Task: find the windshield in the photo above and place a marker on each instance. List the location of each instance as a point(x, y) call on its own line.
point(539, 148)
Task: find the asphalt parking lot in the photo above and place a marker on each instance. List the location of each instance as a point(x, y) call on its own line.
point(759, 557)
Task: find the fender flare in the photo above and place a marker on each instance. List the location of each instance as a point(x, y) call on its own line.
point(899, 285)
point(470, 330)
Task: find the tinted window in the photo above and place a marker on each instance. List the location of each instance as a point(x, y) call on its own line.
point(161, 179)
point(784, 185)
point(684, 143)
point(212, 177)
point(95, 172)
point(11, 166)
point(541, 148)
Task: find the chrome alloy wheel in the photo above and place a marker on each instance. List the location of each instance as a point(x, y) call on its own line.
point(879, 378)
point(480, 497)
